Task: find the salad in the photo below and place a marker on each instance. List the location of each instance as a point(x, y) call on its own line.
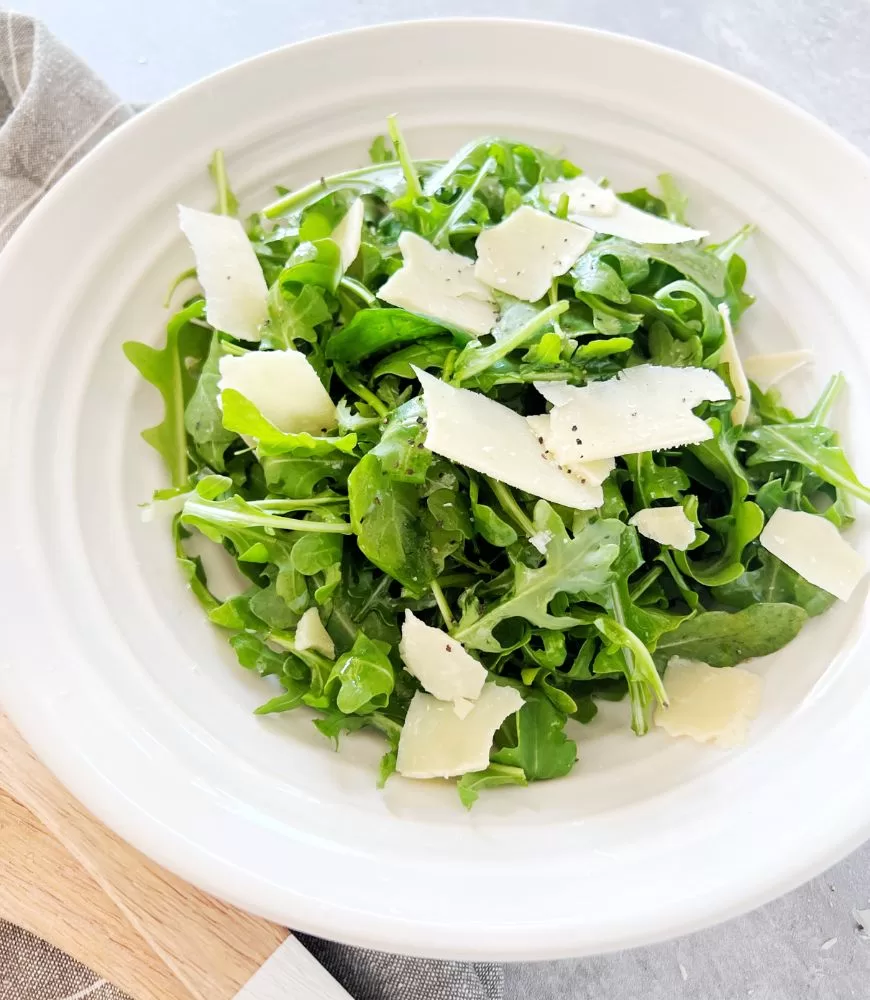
point(479, 439)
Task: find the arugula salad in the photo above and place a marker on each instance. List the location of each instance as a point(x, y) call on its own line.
point(480, 441)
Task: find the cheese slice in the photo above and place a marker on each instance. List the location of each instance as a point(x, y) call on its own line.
point(348, 233)
point(594, 473)
point(709, 704)
point(766, 370)
point(441, 664)
point(665, 525)
point(813, 547)
point(440, 284)
point(540, 540)
point(310, 634)
point(229, 272)
point(475, 431)
point(437, 743)
point(598, 208)
point(284, 388)
point(730, 357)
point(646, 408)
point(522, 254)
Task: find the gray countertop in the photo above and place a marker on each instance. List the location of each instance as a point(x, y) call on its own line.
point(802, 947)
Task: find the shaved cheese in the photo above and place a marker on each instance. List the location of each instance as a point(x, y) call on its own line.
point(441, 664)
point(348, 233)
point(229, 272)
point(766, 370)
point(436, 743)
point(665, 525)
point(813, 547)
point(284, 388)
point(480, 433)
point(646, 408)
point(599, 209)
point(594, 473)
point(540, 540)
point(709, 704)
point(310, 634)
point(523, 254)
point(440, 284)
point(730, 357)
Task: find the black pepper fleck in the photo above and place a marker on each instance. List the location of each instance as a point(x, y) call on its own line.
point(540, 440)
point(573, 427)
point(449, 648)
point(409, 472)
point(578, 440)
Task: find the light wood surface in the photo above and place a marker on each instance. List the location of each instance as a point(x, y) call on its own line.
point(208, 948)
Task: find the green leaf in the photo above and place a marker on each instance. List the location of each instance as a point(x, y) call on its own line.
point(374, 330)
point(401, 450)
point(542, 749)
point(810, 446)
point(391, 533)
point(723, 638)
point(298, 475)
point(594, 275)
point(363, 676)
point(203, 419)
point(698, 264)
point(430, 353)
point(773, 583)
point(471, 785)
point(582, 563)
point(652, 481)
point(241, 416)
point(666, 349)
point(519, 323)
point(171, 371)
point(294, 316)
point(254, 654)
point(313, 263)
point(313, 554)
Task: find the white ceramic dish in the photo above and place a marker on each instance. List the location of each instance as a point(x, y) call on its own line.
point(126, 693)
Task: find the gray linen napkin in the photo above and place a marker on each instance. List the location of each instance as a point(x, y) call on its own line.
point(53, 110)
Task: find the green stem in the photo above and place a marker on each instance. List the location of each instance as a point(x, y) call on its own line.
point(358, 289)
point(358, 389)
point(226, 204)
point(442, 234)
point(645, 582)
point(408, 169)
point(821, 411)
point(288, 505)
point(510, 506)
point(212, 512)
point(443, 606)
point(562, 206)
point(179, 280)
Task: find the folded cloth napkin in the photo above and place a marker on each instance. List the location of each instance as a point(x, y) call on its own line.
point(53, 110)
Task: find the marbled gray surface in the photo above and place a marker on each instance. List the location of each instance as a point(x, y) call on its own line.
point(806, 946)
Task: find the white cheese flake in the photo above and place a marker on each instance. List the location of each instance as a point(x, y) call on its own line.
point(540, 540)
point(228, 271)
point(813, 547)
point(436, 743)
point(441, 664)
point(598, 208)
point(645, 408)
point(441, 285)
point(347, 235)
point(765, 370)
point(665, 525)
point(730, 357)
point(284, 388)
point(594, 473)
point(473, 430)
point(522, 254)
point(709, 704)
point(310, 634)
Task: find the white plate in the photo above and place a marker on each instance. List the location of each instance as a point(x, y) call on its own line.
point(137, 704)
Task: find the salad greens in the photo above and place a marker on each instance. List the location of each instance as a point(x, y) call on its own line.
point(363, 522)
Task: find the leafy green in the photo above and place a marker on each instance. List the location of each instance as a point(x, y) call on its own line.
point(724, 639)
point(365, 522)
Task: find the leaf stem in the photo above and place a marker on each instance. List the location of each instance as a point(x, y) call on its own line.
point(443, 606)
point(821, 411)
point(402, 155)
point(226, 203)
point(442, 234)
point(358, 389)
point(510, 506)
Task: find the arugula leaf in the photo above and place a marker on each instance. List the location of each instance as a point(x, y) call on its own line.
point(298, 475)
point(471, 785)
point(773, 583)
point(316, 263)
point(431, 353)
point(401, 450)
point(243, 418)
point(202, 415)
point(374, 330)
point(172, 370)
point(582, 563)
point(542, 749)
point(294, 316)
point(363, 677)
point(724, 639)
